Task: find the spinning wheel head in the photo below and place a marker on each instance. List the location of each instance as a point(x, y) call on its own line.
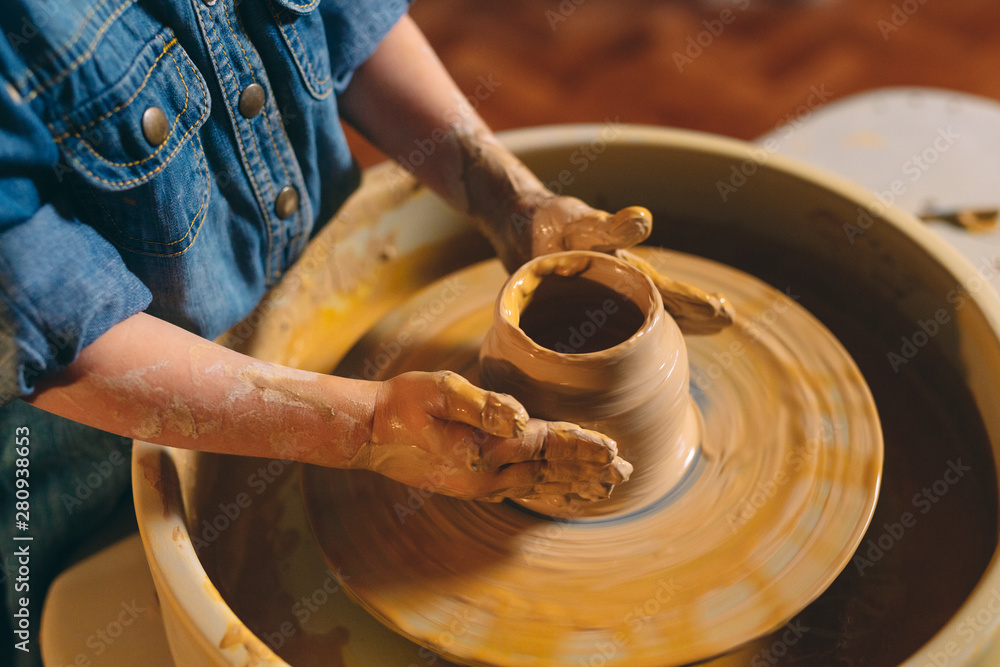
point(788, 457)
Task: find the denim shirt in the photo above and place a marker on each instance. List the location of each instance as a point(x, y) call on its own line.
point(167, 156)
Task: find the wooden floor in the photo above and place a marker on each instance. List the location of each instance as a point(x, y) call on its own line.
point(732, 67)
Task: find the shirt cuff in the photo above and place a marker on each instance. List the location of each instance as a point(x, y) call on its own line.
point(62, 285)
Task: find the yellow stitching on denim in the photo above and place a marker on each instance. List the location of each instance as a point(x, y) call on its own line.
point(267, 117)
point(309, 62)
point(187, 98)
point(295, 57)
point(208, 189)
point(23, 81)
point(253, 137)
point(243, 152)
point(158, 169)
point(304, 7)
point(225, 8)
point(166, 47)
point(203, 165)
point(83, 56)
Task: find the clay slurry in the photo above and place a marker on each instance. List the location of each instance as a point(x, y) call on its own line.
point(576, 315)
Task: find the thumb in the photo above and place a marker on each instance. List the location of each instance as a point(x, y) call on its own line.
point(460, 400)
point(603, 232)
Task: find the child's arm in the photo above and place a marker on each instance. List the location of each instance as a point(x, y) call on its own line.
point(402, 100)
point(147, 379)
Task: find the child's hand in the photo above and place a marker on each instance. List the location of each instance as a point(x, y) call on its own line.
point(440, 432)
point(548, 223)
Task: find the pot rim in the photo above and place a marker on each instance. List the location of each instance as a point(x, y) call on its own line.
point(651, 306)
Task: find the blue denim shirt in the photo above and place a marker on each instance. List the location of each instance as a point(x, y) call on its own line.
point(140, 171)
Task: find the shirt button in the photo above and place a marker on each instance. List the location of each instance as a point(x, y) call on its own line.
point(287, 202)
point(208, 3)
point(251, 100)
point(155, 126)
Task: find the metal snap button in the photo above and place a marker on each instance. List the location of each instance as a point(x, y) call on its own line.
point(287, 202)
point(155, 126)
point(252, 100)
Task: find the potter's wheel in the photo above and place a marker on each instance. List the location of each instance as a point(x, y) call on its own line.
point(780, 497)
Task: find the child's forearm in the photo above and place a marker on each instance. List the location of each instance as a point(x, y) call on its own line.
point(150, 380)
point(147, 379)
point(404, 101)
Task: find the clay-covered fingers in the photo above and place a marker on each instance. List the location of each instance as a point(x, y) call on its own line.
point(696, 311)
point(459, 400)
point(602, 232)
point(534, 479)
point(554, 441)
point(553, 458)
point(554, 491)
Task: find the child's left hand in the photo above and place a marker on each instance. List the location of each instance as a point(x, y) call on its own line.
point(557, 223)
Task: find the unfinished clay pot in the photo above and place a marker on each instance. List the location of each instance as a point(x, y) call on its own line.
point(583, 337)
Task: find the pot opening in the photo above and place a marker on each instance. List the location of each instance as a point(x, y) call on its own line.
point(577, 315)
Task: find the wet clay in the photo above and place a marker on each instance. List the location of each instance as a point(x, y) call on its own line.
point(615, 363)
point(576, 315)
point(771, 511)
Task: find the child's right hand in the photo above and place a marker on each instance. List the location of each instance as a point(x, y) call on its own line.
point(440, 432)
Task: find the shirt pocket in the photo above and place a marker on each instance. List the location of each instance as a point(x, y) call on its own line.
point(302, 30)
point(144, 185)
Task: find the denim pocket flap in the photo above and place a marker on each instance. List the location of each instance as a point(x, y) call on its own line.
point(303, 7)
point(104, 138)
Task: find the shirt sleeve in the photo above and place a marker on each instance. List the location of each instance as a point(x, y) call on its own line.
point(353, 29)
point(62, 284)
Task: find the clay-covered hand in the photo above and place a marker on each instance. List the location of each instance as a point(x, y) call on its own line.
point(696, 311)
point(547, 223)
point(439, 432)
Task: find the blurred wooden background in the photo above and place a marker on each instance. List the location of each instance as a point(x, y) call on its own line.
point(590, 60)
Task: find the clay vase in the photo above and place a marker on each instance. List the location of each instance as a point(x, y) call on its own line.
point(583, 337)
